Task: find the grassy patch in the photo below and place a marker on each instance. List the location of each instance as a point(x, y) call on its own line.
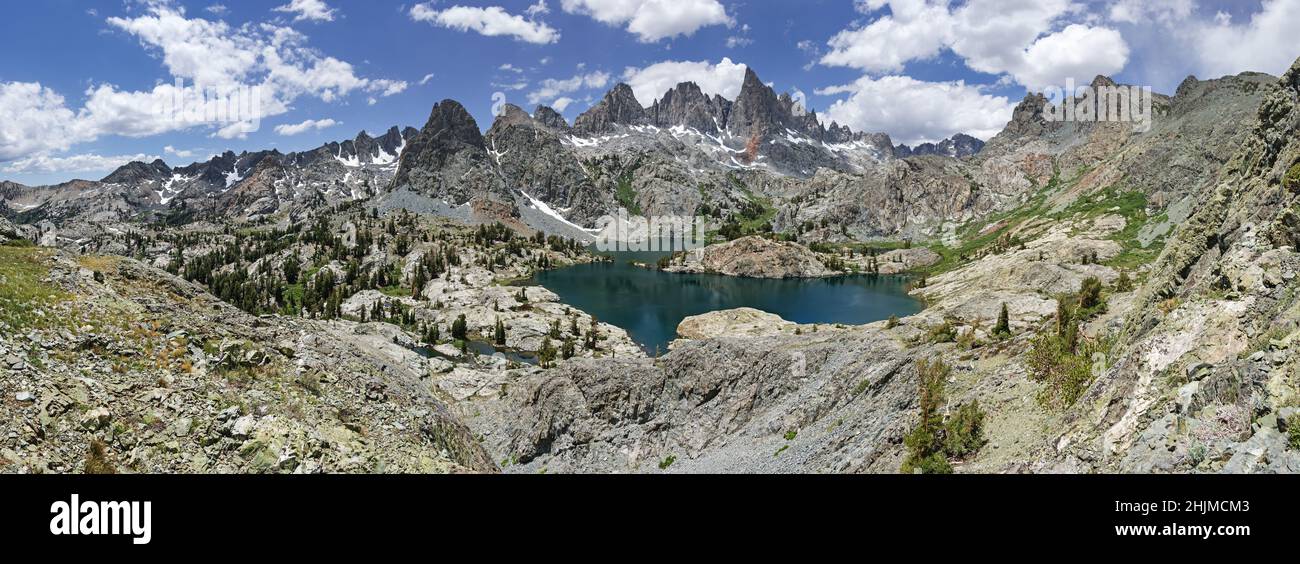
point(1132, 206)
point(626, 194)
point(23, 291)
point(1292, 179)
point(100, 264)
point(395, 291)
point(975, 237)
point(978, 237)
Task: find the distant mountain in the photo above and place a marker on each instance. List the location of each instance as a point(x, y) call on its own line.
point(247, 185)
point(958, 146)
point(760, 129)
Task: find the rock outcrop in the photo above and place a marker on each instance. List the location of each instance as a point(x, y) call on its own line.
point(752, 257)
point(740, 322)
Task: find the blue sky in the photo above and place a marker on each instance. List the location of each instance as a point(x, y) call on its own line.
point(76, 99)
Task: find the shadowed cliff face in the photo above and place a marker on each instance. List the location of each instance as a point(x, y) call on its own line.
point(449, 159)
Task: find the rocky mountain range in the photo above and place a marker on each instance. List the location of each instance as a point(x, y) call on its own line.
point(576, 168)
point(249, 185)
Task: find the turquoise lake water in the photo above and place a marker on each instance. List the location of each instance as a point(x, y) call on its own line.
point(649, 304)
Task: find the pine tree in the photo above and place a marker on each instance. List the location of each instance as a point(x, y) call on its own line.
point(1003, 327)
point(547, 354)
point(1090, 298)
point(499, 336)
point(1124, 284)
point(1067, 329)
point(592, 336)
point(925, 443)
point(460, 328)
point(417, 285)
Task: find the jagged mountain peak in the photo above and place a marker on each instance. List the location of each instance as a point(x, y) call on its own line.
point(136, 171)
point(549, 117)
point(687, 105)
point(618, 107)
point(1102, 80)
point(511, 116)
point(757, 111)
point(450, 123)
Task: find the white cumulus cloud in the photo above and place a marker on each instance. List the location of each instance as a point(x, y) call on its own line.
point(181, 153)
point(1034, 42)
point(35, 120)
point(308, 125)
point(492, 21)
point(552, 88)
point(650, 83)
point(1265, 43)
point(313, 10)
point(561, 104)
point(913, 111)
point(89, 162)
point(653, 20)
point(209, 62)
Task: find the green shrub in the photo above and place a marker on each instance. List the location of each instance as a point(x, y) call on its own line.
point(945, 332)
point(1293, 431)
point(934, 463)
point(1090, 299)
point(1124, 283)
point(1292, 179)
point(964, 432)
point(665, 463)
point(925, 442)
point(1060, 362)
point(97, 461)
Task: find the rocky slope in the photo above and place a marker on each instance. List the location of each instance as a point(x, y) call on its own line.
point(104, 352)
